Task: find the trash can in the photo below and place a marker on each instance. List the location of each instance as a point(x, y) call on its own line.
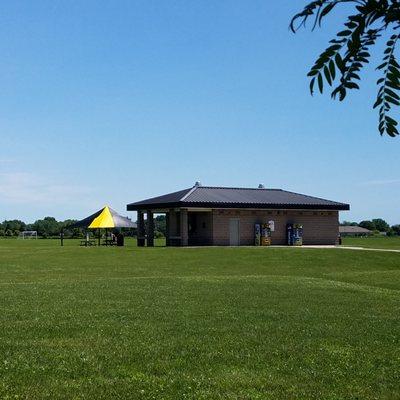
point(120, 239)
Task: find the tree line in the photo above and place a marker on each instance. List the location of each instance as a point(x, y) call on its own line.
point(46, 227)
point(376, 225)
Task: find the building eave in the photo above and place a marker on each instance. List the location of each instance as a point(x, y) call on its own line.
point(210, 205)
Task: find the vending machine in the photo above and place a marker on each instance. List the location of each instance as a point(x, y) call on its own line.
point(265, 235)
point(289, 234)
point(297, 235)
point(257, 234)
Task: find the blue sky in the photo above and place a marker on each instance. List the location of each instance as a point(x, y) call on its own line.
point(115, 101)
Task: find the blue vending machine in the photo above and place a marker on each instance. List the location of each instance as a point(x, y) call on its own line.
point(257, 234)
point(297, 235)
point(289, 234)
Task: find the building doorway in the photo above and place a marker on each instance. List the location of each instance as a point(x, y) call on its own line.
point(234, 232)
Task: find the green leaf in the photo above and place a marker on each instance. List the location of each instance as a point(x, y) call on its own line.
point(391, 121)
point(394, 71)
point(332, 69)
point(383, 65)
point(339, 62)
point(334, 48)
point(391, 130)
point(392, 100)
point(345, 33)
point(313, 72)
point(327, 75)
point(325, 11)
point(351, 85)
point(391, 93)
point(393, 85)
point(378, 102)
point(342, 93)
point(312, 82)
point(320, 83)
point(353, 75)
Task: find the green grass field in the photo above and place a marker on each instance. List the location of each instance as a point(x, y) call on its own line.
point(376, 242)
point(212, 323)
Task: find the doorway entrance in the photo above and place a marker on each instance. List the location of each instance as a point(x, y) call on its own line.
point(234, 232)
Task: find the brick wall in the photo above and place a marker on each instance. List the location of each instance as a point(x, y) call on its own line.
point(319, 227)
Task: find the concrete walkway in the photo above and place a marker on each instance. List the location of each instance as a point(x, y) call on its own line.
point(341, 247)
point(309, 246)
point(367, 249)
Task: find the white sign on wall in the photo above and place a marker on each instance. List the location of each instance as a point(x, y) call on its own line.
point(271, 225)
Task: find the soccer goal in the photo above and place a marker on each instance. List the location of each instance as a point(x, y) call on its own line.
point(28, 235)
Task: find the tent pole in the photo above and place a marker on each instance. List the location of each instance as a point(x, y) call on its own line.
point(99, 236)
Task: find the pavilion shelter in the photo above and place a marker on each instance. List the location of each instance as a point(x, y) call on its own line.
point(229, 216)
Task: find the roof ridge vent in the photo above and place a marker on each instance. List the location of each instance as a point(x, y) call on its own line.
point(261, 186)
point(197, 184)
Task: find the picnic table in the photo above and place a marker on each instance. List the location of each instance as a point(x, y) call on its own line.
point(87, 243)
point(109, 242)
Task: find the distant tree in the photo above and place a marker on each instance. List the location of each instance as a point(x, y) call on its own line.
point(396, 229)
point(367, 225)
point(381, 225)
point(349, 52)
point(70, 232)
point(47, 227)
point(377, 224)
point(160, 225)
point(348, 223)
point(13, 227)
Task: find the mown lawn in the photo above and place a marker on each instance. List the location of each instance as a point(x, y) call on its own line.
point(212, 323)
point(375, 242)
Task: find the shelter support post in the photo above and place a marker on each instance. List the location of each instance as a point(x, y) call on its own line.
point(140, 229)
point(184, 227)
point(150, 228)
point(167, 228)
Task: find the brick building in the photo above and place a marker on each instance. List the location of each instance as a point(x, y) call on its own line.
point(222, 216)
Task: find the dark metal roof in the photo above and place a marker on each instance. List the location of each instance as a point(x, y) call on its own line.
point(174, 197)
point(353, 229)
point(223, 197)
